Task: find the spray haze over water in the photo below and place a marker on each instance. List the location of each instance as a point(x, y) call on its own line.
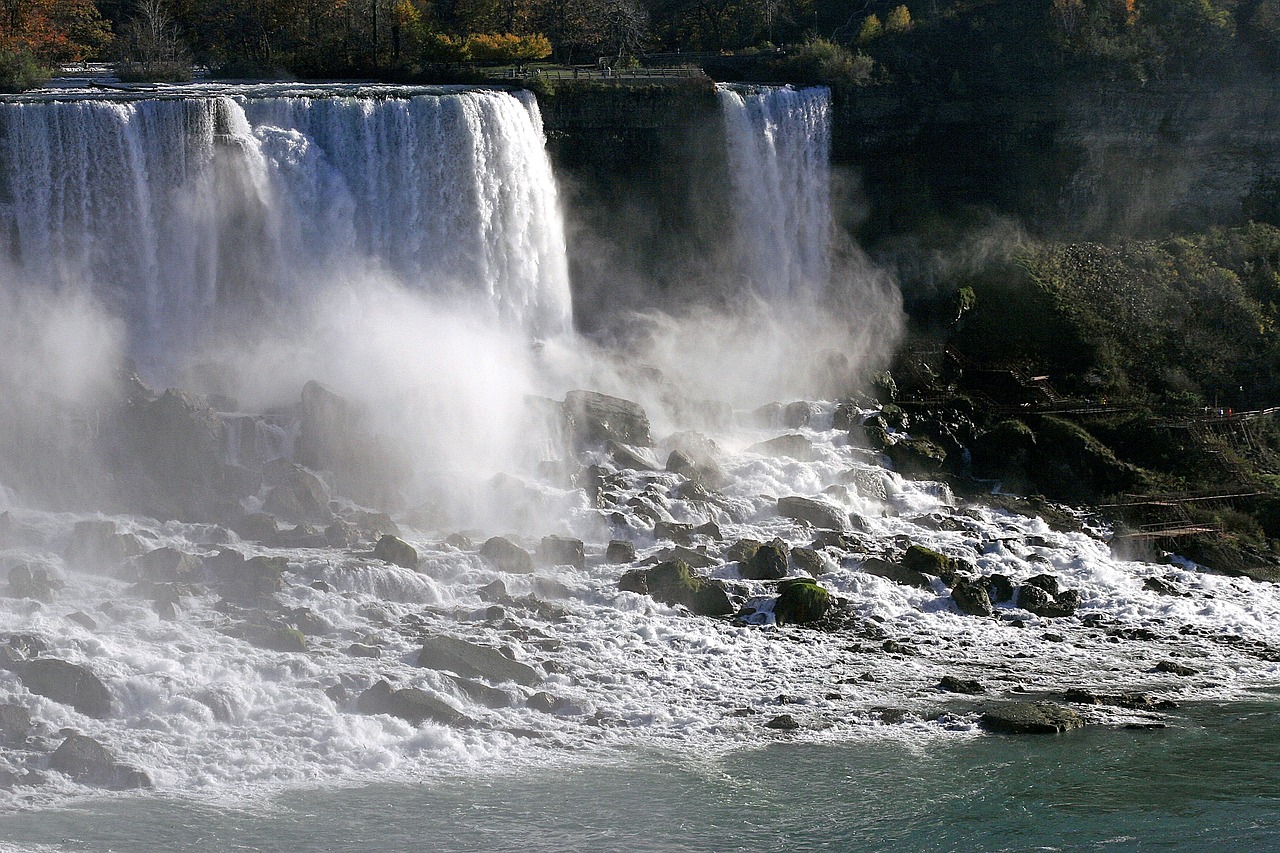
point(406, 250)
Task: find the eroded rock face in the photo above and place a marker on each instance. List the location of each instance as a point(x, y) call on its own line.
point(598, 418)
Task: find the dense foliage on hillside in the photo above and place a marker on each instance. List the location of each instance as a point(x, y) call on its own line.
point(956, 44)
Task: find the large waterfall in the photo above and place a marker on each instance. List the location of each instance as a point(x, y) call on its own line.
point(178, 213)
point(779, 142)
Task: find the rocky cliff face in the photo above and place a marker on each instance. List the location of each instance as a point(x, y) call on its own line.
point(1068, 161)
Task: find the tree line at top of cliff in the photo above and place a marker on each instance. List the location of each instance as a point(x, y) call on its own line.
point(953, 43)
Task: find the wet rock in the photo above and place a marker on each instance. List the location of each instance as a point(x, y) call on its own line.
point(680, 463)
point(32, 582)
point(90, 763)
point(69, 684)
point(972, 598)
point(1175, 668)
point(953, 684)
point(506, 556)
point(168, 564)
point(697, 457)
point(482, 694)
point(999, 588)
point(1030, 718)
point(629, 459)
point(791, 446)
point(695, 559)
point(769, 562)
point(411, 704)
point(800, 602)
point(1048, 583)
point(298, 495)
point(363, 650)
point(930, 562)
point(1036, 600)
point(742, 550)
point(280, 638)
point(916, 457)
point(257, 527)
point(373, 524)
point(817, 513)
point(394, 550)
point(174, 447)
point(15, 724)
point(97, 546)
point(469, 660)
point(799, 414)
point(562, 551)
point(674, 583)
point(1163, 587)
point(341, 534)
point(495, 591)
point(808, 560)
point(598, 418)
point(675, 531)
point(783, 722)
point(896, 573)
point(84, 620)
point(544, 702)
point(620, 551)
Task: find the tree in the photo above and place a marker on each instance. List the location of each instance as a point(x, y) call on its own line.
point(52, 32)
point(150, 47)
point(898, 21)
point(871, 29)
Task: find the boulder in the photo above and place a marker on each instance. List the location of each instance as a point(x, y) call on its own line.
point(257, 527)
point(799, 414)
point(953, 684)
point(89, 763)
point(1036, 600)
point(695, 559)
point(999, 588)
point(298, 496)
point(176, 442)
point(394, 550)
point(1048, 583)
point(800, 602)
point(69, 684)
point(97, 546)
point(410, 704)
point(31, 582)
point(783, 722)
point(15, 723)
point(341, 534)
point(896, 573)
point(916, 457)
point(629, 458)
point(168, 564)
point(1030, 718)
point(562, 551)
point(742, 550)
point(1175, 668)
point(819, 514)
point(930, 562)
point(620, 551)
point(598, 418)
point(335, 437)
point(769, 562)
point(791, 446)
point(674, 583)
point(506, 556)
point(971, 597)
point(808, 560)
point(697, 457)
point(472, 661)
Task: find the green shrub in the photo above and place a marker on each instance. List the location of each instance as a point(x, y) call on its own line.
point(19, 71)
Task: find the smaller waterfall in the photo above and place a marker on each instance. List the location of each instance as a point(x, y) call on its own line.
point(779, 142)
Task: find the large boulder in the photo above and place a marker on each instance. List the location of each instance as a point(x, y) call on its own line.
point(897, 573)
point(769, 562)
point(930, 562)
point(296, 495)
point(620, 551)
point(506, 555)
point(26, 581)
point(598, 418)
point(971, 597)
point(336, 437)
point(67, 683)
point(1030, 718)
point(791, 446)
point(472, 661)
point(562, 551)
point(394, 550)
point(411, 704)
point(168, 564)
point(90, 763)
point(174, 442)
point(97, 546)
point(820, 514)
point(800, 601)
point(1040, 602)
point(916, 457)
point(674, 583)
point(15, 723)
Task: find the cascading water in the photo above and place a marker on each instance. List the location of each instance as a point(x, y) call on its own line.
point(176, 212)
point(779, 142)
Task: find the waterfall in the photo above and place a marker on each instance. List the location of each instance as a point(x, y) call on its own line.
point(779, 141)
point(181, 213)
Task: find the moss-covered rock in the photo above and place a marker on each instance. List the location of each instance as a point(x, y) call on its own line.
point(1030, 718)
point(396, 551)
point(916, 457)
point(674, 583)
point(769, 562)
point(930, 562)
point(800, 602)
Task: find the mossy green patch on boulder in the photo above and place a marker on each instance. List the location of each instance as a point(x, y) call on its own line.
point(674, 583)
point(396, 551)
point(769, 562)
point(930, 562)
point(800, 602)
